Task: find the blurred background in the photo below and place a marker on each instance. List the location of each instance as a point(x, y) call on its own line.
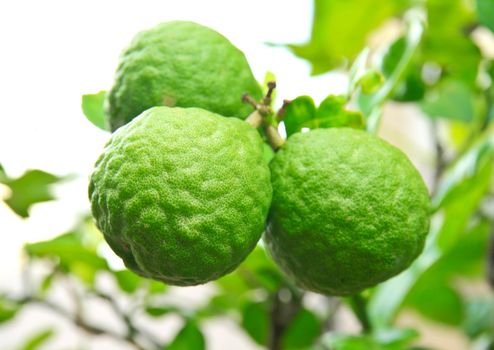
point(421, 74)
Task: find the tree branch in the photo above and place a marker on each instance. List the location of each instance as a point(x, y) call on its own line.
point(359, 307)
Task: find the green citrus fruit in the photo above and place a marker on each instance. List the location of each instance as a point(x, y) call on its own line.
point(348, 211)
point(180, 64)
point(182, 194)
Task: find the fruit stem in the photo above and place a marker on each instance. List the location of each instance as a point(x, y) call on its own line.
point(255, 119)
point(265, 117)
point(359, 307)
point(274, 138)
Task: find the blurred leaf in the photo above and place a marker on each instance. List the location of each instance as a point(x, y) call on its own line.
point(92, 107)
point(255, 321)
point(340, 30)
point(368, 79)
point(34, 186)
point(71, 254)
point(410, 87)
point(189, 337)
point(156, 287)
point(437, 301)
point(357, 70)
point(156, 311)
point(451, 100)
point(298, 111)
point(396, 337)
point(8, 309)
point(256, 271)
point(3, 175)
point(36, 341)
point(221, 304)
point(455, 182)
point(485, 10)
point(302, 331)
point(479, 317)
point(467, 256)
point(128, 281)
point(371, 81)
point(432, 296)
point(332, 114)
point(371, 105)
point(386, 339)
point(46, 283)
point(446, 40)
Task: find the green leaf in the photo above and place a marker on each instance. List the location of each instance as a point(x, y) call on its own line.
point(371, 81)
point(386, 339)
point(255, 321)
point(332, 114)
point(156, 287)
point(432, 295)
point(34, 186)
point(159, 311)
point(128, 281)
point(437, 301)
point(455, 181)
point(8, 309)
point(446, 42)
point(256, 271)
point(479, 317)
point(93, 109)
point(485, 10)
point(468, 255)
point(3, 175)
point(302, 331)
point(451, 100)
point(340, 30)
point(371, 105)
point(46, 283)
point(368, 79)
point(299, 111)
point(36, 341)
point(221, 304)
point(410, 87)
point(189, 337)
point(71, 254)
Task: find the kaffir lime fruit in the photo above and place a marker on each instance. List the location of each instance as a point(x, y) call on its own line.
point(182, 195)
point(180, 64)
point(348, 211)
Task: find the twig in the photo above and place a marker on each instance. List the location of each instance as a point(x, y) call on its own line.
point(490, 260)
point(264, 116)
point(132, 330)
point(441, 162)
point(359, 307)
point(79, 322)
point(282, 314)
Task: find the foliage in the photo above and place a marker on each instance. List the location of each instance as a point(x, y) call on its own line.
point(432, 63)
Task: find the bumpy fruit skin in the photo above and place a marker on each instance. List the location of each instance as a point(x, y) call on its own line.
point(182, 195)
point(348, 211)
point(180, 64)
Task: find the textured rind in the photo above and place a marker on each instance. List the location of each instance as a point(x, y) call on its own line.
point(180, 64)
point(348, 211)
point(182, 194)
